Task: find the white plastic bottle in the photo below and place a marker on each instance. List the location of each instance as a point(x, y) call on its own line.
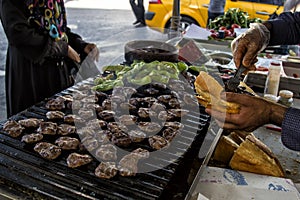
point(273, 79)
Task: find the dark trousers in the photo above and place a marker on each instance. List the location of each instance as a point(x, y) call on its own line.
point(138, 10)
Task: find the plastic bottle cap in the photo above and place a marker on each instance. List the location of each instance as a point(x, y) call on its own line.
point(271, 97)
point(286, 93)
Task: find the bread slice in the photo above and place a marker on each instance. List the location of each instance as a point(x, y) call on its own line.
point(224, 150)
point(208, 91)
point(236, 137)
point(254, 156)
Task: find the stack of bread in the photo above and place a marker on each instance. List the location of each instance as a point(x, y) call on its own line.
point(247, 154)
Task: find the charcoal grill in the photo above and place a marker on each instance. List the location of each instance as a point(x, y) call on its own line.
point(25, 173)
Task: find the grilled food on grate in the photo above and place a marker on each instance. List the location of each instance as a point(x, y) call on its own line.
point(76, 160)
point(47, 150)
point(13, 128)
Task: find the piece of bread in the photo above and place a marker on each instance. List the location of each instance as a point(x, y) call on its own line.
point(236, 137)
point(208, 92)
point(225, 150)
point(254, 156)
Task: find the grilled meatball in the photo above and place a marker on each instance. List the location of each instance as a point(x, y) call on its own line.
point(167, 116)
point(146, 112)
point(127, 120)
point(137, 135)
point(116, 100)
point(107, 115)
point(55, 104)
point(164, 98)
point(106, 104)
point(32, 138)
point(67, 143)
point(134, 102)
point(170, 133)
point(47, 150)
point(89, 99)
point(13, 128)
point(85, 88)
point(90, 143)
point(93, 124)
point(86, 113)
point(86, 132)
point(115, 127)
point(158, 142)
point(147, 102)
point(174, 125)
point(65, 98)
point(163, 116)
point(160, 86)
point(106, 170)
point(71, 118)
point(121, 139)
point(157, 107)
point(149, 127)
point(127, 106)
point(75, 105)
point(55, 115)
point(102, 136)
point(78, 95)
point(123, 91)
point(101, 95)
point(151, 91)
point(174, 103)
point(47, 128)
point(178, 112)
point(128, 165)
point(30, 122)
point(66, 129)
point(177, 85)
point(190, 99)
point(76, 160)
point(107, 152)
point(141, 153)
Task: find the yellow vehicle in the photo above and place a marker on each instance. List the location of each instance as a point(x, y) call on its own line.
point(159, 13)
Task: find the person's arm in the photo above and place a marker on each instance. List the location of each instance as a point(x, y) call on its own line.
point(76, 42)
point(284, 30)
point(82, 47)
point(291, 129)
point(255, 112)
point(33, 45)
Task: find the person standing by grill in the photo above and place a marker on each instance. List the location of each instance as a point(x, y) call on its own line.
point(215, 9)
point(41, 53)
point(139, 12)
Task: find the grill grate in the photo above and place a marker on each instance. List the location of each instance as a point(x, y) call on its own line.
point(28, 172)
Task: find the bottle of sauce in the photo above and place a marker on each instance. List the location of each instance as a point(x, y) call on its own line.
point(273, 79)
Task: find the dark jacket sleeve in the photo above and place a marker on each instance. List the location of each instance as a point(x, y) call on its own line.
point(291, 129)
point(285, 30)
point(33, 45)
point(76, 42)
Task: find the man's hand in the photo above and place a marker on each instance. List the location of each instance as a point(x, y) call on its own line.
point(246, 46)
point(72, 54)
point(92, 51)
point(254, 112)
